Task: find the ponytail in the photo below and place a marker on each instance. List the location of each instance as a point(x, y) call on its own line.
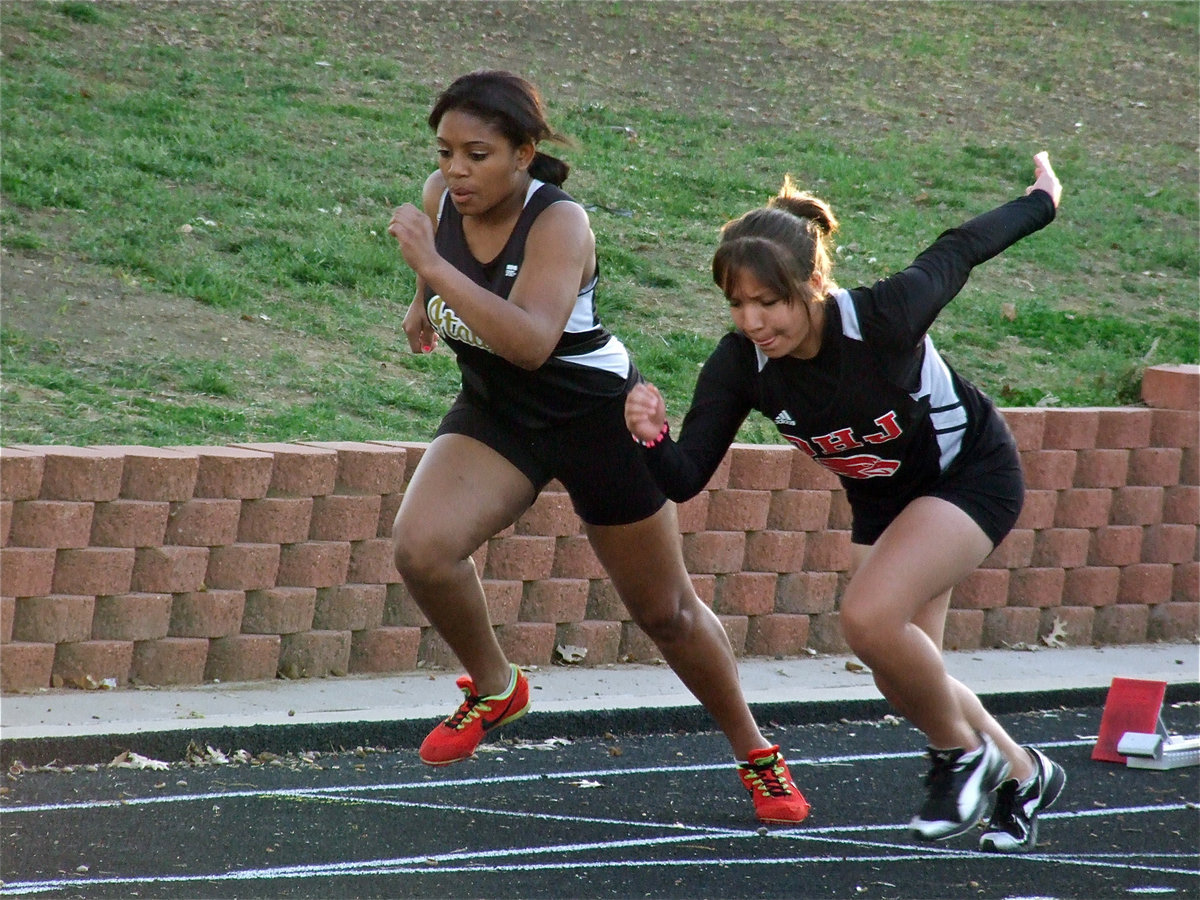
point(549, 169)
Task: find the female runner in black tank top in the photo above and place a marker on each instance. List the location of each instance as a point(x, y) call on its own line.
point(851, 379)
point(506, 273)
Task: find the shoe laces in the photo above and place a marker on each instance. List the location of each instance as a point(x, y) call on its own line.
point(1004, 813)
point(943, 765)
point(471, 708)
point(771, 777)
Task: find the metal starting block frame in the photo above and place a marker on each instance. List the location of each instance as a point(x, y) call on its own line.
point(1159, 750)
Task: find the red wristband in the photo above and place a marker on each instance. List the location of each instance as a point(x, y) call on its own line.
point(662, 436)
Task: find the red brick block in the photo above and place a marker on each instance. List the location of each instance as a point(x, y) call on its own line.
point(1036, 587)
point(799, 510)
point(400, 609)
point(1083, 508)
point(964, 629)
point(93, 661)
point(1171, 386)
point(806, 593)
point(1121, 624)
point(840, 515)
point(51, 523)
point(314, 654)
point(758, 467)
point(389, 505)
point(775, 551)
point(777, 634)
point(1116, 545)
point(1159, 466)
point(575, 558)
point(372, 562)
point(825, 634)
point(208, 614)
point(736, 629)
point(243, 567)
point(1075, 624)
point(350, 607)
point(520, 557)
point(230, 472)
point(169, 661)
point(93, 570)
point(555, 600)
point(1189, 467)
point(745, 593)
point(278, 610)
point(827, 551)
point(1048, 470)
point(1038, 510)
point(705, 588)
point(156, 473)
point(1028, 426)
point(1174, 622)
point(25, 667)
point(601, 641)
point(1009, 626)
point(692, 515)
point(1175, 428)
point(169, 570)
point(345, 517)
point(384, 649)
point(435, 653)
point(1015, 551)
point(20, 474)
point(1181, 505)
point(1165, 544)
point(131, 617)
point(368, 468)
point(809, 475)
point(26, 571)
point(636, 646)
point(1101, 468)
point(203, 523)
point(981, 589)
point(1146, 583)
point(737, 510)
point(8, 612)
point(551, 514)
point(242, 657)
point(78, 473)
point(314, 564)
point(53, 619)
point(1091, 586)
point(1185, 588)
point(714, 552)
point(528, 643)
point(1063, 548)
point(275, 520)
point(1124, 427)
point(6, 514)
point(298, 470)
point(604, 604)
point(413, 451)
point(1070, 429)
point(503, 600)
point(130, 523)
point(719, 480)
point(1137, 506)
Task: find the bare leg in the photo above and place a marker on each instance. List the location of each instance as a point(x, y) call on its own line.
point(461, 494)
point(894, 605)
point(646, 565)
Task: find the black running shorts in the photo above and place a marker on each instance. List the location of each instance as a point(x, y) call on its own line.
point(594, 457)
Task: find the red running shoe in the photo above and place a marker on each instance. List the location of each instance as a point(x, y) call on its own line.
point(456, 738)
point(776, 797)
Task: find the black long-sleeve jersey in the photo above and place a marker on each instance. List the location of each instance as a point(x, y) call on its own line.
point(877, 405)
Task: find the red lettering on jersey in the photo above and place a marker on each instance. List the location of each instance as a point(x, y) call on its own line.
point(890, 431)
point(801, 444)
point(861, 466)
point(836, 441)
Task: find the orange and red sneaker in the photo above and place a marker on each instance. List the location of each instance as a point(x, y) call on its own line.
point(776, 797)
point(456, 738)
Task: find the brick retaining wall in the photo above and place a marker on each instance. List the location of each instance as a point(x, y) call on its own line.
point(178, 565)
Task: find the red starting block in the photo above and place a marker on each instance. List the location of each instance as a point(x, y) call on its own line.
point(1133, 704)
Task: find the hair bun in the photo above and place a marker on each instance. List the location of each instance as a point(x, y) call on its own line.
point(805, 206)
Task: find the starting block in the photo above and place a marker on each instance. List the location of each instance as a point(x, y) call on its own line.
point(1132, 730)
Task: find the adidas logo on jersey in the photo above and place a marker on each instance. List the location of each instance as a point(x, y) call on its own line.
point(510, 271)
point(785, 418)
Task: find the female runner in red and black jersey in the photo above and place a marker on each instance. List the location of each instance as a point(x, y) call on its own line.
point(507, 278)
point(852, 379)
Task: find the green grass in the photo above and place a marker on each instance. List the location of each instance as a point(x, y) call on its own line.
point(243, 160)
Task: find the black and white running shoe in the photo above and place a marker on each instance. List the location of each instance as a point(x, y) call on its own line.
point(958, 784)
point(1013, 825)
